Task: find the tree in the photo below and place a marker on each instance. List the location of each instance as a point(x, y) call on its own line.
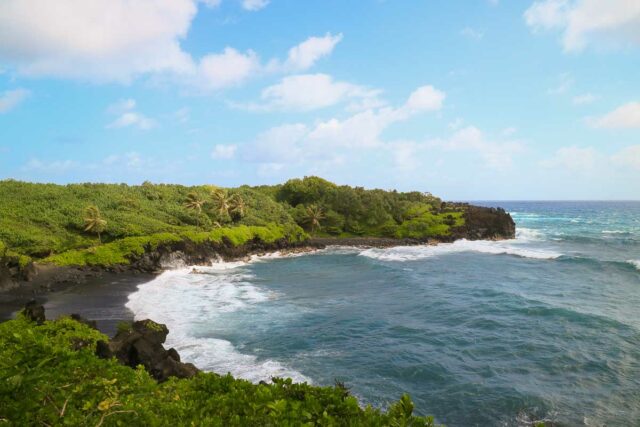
point(228, 205)
point(194, 202)
point(315, 214)
point(221, 201)
point(237, 207)
point(93, 221)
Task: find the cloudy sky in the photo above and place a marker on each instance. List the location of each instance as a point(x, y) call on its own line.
point(481, 99)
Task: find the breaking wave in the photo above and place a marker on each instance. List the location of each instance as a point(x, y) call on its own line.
point(412, 253)
point(192, 305)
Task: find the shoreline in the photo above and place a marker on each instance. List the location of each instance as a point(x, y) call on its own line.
point(101, 298)
point(69, 290)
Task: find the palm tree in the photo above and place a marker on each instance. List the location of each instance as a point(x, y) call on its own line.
point(228, 205)
point(221, 201)
point(93, 221)
point(314, 215)
point(237, 207)
point(194, 203)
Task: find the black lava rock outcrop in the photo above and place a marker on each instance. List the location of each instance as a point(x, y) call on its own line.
point(142, 345)
point(34, 312)
point(482, 223)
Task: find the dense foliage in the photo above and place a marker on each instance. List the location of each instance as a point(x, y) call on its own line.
point(348, 211)
point(67, 224)
point(120, 251)
point(41, 219)
point(49, 375)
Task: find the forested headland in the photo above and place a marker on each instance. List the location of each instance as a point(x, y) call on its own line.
point(109, 224)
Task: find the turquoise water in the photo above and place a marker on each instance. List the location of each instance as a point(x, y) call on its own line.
point(546, 326)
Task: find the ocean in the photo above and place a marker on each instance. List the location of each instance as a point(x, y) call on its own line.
point(542, 327)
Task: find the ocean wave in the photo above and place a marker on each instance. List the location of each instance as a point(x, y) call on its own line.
point(186, 303)
point(635, 263)
point(413, 253)
point(523, 233)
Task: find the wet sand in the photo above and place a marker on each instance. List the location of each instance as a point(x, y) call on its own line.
point(101, 299)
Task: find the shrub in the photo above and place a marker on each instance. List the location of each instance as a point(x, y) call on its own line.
point(49, 375)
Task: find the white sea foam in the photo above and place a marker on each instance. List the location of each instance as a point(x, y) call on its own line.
point(192, 304)
point(412, 253)
point(635, 263)
point(527, 234)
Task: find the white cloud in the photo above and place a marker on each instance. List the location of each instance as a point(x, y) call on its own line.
point(628, 157)
point(456, 123)
point(127, 117)
point(212, 4)
point(229, 68)
point(306, 54)
point(103, 40)
point(585, 22)
point(509, 131)
point(132, 119)
point(497, 155)
point(405, 155)
point(363, 129)
point(122, 106)
point(626, 116)
point(588, 160)
point(313, 91)
point(279, 144)
point(573, 159)
point(131, 160)
point(268, 169)
point(253, 5)
point(232, 68)
point(425, 98)
point(11, 99)
point(119, 40)
point(221, 151)
point(472, 33)
point(55, 167)
point(546, 15)
point(584, 99)
point(183, 115)
point(325, 141)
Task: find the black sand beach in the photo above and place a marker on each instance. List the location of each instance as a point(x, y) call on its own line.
point(100, 298)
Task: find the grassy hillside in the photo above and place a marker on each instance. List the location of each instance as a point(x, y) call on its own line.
point(47, 221)
point(49, 375)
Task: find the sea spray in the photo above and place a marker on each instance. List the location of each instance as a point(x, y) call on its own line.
point(189, 304)
point(413, 253)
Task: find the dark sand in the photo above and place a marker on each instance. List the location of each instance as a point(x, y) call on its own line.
point(101, 299)
point(102, 295)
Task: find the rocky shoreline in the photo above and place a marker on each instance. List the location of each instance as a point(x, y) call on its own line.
point(135, 343)
point(35, 281)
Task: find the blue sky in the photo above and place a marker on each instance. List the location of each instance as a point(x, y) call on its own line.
point(481, 99)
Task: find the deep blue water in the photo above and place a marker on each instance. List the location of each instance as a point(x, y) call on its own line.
point(546, 326)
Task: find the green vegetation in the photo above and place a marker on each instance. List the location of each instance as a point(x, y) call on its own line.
point(329, 209)
point(49, 375)
point(106, 224)
point(93, 221)
point(121, 251)
point(195, 203)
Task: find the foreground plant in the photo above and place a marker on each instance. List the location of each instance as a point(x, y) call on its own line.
point(49, 375)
